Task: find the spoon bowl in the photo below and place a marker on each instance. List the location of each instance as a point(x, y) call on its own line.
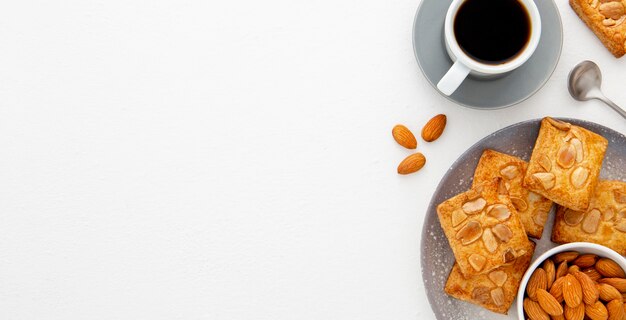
point(585, 82)
point(585, 77)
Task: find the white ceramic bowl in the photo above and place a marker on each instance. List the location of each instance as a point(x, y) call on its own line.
point(581, 247)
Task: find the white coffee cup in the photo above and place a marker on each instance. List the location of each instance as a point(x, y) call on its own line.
point(464, 65)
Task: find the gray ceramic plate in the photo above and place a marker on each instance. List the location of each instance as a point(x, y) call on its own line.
point(436, 255)
point(513, 88)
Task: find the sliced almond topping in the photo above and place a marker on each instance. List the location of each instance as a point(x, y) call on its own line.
point(572, 217)
point(490, 241)
point(458, 216)
point(519, 204)
point(546, 179)
point(579, 177)
point(619, 22)
point(608, 22)
point(620, 196)
point(534, 197)
point(540, 216)
point(621, 214)
point(545, 162)
point(578, 146)
point(477, 261)
point(481, 294)
point(474, 206)
point(498, 277)
point(608, 214)
point(566, 156)
point(497, 295)
point(613, 10)
point(621, 226)
point(499, 211)
point(564, 126)
point(502, 232)
point(508, 256)
point(475, 192)
point(502, 189)
point(591, 221)
point(470, 232)
point(510, 172)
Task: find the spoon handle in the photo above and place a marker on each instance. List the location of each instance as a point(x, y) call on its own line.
point(612, 105)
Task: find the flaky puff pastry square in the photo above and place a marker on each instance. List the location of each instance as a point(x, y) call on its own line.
point(565, 163)
point(533, 208)
point(604, 223)
point(495, 290)
point(607, 19)
point(483, 228)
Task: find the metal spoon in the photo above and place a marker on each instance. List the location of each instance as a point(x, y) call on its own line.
point(584, 84)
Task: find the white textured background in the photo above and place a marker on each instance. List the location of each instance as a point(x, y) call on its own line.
point(228, 160)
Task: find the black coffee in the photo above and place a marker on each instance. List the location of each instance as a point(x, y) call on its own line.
point(492, 31)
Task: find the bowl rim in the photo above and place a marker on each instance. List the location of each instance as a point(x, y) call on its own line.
point(583, 247)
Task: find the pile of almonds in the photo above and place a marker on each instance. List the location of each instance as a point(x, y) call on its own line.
point(404, 137)
point(576, 286)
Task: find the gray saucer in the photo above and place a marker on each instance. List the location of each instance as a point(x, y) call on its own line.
point(513, 88)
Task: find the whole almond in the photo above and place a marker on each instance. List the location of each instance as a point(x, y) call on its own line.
point(404, 136)
point(537, 280)
point(596, 311)
point(412, 163)
point(533, 310)
point(618, 283)
point(609, 269)
point(565, 256)
point(548, 266)
point(572, 292)
point(577, 313)
point(585, 260)
point(592, 273)
point(561, 270)
point(615, 309)
point(573, 269)
point(557, 289)
point(608, 292)
point(590, 292)
point(548, 303)
point(434, 128)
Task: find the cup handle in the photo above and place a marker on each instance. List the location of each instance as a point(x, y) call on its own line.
point(453, 78)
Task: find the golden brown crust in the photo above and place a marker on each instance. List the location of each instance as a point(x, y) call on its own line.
point(565, 163)
point(607, 21)
point(483, 229)
point(533, 208)
point(478, 289)
point(609, 206)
